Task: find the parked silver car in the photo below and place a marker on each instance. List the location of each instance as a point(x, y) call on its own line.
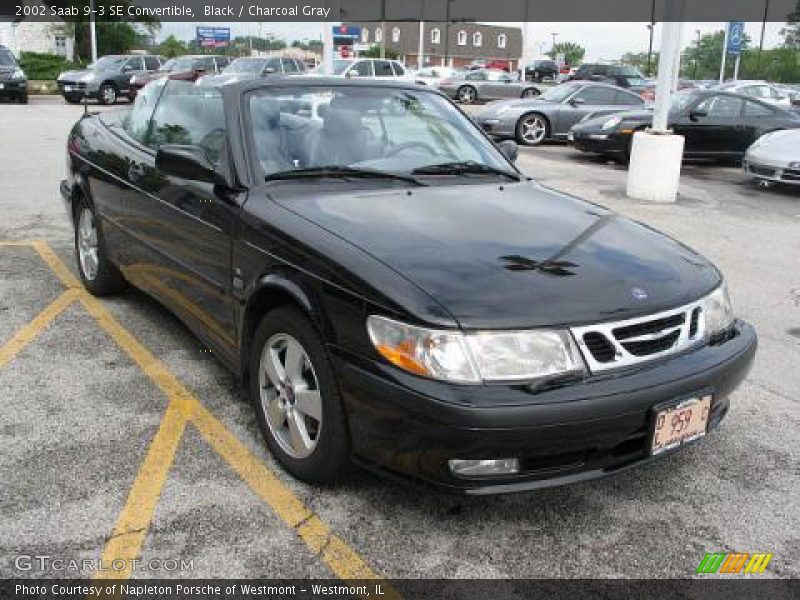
point(533, 120)
point(775, 157)
point(487, 84)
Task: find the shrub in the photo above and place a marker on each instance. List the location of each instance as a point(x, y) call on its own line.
point(46, 66)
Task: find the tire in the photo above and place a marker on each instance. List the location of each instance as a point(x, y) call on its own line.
point(23, 99)
point(98, 274)
point(467, 94)
point(320, 453)
point(107, 94)
point(531, 92)
point(72, 99)
point(532, 129)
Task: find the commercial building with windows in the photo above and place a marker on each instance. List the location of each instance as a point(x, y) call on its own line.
point(456, 45)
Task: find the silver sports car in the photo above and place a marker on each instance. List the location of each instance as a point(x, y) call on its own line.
point(533, 120)
point(775, 157)
point(487, 84)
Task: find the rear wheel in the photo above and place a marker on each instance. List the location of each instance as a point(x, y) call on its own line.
point(296, 399)
point(467, 94)
point(530, 93)
point(72, 99)
point(98, 274)
point(532, 129)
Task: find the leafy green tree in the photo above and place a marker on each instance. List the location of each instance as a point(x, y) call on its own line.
point(639, 61)
point(375, 52)
point(703, 57)
point(172, 47)
point(573, 52)
point(791, 33)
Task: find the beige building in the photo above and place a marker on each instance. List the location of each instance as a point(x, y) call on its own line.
point(27, 35)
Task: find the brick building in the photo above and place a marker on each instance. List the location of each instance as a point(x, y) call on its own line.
point(456, 45)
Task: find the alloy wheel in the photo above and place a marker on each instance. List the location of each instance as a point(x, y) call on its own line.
point(109, 94)
point(290, 395)
point(88, 244)
point(534, 129)
point(467, 95)
point(529, 93)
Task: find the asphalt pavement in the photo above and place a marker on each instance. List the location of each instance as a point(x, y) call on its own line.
point(122, 437)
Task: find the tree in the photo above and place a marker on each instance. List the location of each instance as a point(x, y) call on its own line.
point(638, 60)
point(375, 52)
point(172, 47)
point(703, 57)
point(791, 33)
point(573, 53)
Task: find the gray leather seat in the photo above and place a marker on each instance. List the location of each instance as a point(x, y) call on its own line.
point(270, 138)
point(343, 140)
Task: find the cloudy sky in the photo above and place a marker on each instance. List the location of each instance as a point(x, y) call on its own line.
point(601, 40)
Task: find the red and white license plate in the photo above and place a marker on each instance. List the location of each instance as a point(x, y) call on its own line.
point(680, 423)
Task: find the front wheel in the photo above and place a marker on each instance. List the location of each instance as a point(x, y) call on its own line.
point(296, 398)
point(98, 274)
point(530, 93)
point(107, 94)
point(467, 94)
point(532, 129)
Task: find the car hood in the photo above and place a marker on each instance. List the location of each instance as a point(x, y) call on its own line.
point(514, 103)
point(780, 144)
point(627, 115)
point(75, 75)
point(514, 256)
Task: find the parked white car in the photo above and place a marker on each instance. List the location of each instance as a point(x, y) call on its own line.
point(766, 92)
point(775, 157)
point(371, 68)
point(432, 76)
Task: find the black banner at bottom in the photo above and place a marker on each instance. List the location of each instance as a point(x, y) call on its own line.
point(495, 589)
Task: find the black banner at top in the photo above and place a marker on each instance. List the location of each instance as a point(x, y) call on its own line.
point(204, 11)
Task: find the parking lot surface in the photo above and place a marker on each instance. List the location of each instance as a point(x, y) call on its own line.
point(123, 437)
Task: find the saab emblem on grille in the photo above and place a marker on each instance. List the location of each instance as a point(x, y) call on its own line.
point(638, 293)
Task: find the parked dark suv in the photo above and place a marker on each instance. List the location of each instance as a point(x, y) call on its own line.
point(107, 79)
point(620, 75)
point(541, 69)
point(13, 81)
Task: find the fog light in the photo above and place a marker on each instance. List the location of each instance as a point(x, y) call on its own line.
point(484, 468)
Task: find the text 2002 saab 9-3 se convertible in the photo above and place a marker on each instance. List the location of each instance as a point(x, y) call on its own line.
point(394, 293)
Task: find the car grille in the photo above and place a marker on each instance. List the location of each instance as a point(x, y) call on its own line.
point(624, 343)
point(791, 175)
point(759, 170)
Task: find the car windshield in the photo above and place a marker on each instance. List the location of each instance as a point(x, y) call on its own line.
point(340, 66)
point(179, 64)
point(107, 62)
point(7, 59)
point(376, 131)
point(245, 65)
point(681, 100)
point(560, 92)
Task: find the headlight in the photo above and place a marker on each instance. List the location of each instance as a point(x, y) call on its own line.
point(488, 356)
point(611, 123)
point(18, 74)
point(717, 312)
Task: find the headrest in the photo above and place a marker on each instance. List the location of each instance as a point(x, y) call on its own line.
point(339, 121)
point(266, 112)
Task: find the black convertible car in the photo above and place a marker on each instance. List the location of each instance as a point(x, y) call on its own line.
point(392, 291)
point(715, 125)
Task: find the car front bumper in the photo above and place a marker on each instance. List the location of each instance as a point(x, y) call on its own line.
point(13, 88)
point(770, 170)
point(405, 426)
point(496, 126)
point(599, 142)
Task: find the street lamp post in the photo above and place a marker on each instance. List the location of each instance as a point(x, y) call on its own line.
point(554, 34)
point(651, 26)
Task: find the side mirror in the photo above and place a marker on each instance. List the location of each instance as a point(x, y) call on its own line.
point(695, 114)
point(509, 149)
point(186, 162)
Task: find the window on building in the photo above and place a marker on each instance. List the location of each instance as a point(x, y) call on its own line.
point(378, 35)
point(396, 35)
point(60, 43)
point(462, 38)
point(501, 40)
point(477, 39)
point(436, 36)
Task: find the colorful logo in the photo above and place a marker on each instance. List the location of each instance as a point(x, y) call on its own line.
point(733, 562)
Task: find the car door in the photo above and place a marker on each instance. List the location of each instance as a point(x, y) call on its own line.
point(399, 70)
point(383, 69)
point(186, 227)
point(590, 99)
point(133, 66)
point(360, 68)
point(713, 126)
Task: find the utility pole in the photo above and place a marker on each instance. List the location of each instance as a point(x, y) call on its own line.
point(447, 33)
point(327, 48)
point(92, 32)
point(554, 34)
point(421, 46)
point(761, 43)
point(651, 27)
point(694, 70)
point(724, 55)
point(383, 28)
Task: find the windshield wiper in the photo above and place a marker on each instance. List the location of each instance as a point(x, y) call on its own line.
point(341, 171)
point(462, 168)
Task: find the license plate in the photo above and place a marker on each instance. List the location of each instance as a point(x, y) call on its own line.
point(571, 137)
point(680, 423)
point(67, 88)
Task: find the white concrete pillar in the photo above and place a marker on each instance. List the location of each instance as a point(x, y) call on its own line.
point(327, 49)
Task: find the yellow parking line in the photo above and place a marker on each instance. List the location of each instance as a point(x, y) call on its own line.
point(29, 332)
point(16, 242)
point(134, 521)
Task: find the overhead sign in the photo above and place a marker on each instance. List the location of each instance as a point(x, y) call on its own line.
point(351, 32)
point(735, 37)
point(213, 37)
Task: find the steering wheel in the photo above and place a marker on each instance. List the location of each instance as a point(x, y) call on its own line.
point(395, 150)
